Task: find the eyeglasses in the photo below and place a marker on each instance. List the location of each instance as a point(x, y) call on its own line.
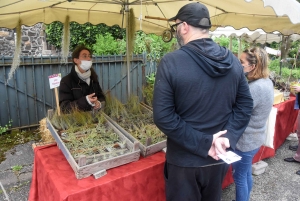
point(174, 26)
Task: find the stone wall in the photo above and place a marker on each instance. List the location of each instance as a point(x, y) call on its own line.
point(33, 41)
point(7, 42)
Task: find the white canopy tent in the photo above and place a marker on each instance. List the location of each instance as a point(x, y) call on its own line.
point(151, 15)
point(256, 36)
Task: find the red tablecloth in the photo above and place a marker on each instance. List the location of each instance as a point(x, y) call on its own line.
point(54, 179)
point(285, 120)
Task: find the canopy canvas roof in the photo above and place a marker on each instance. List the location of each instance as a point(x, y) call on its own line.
point(256, 36)
point(151, 14)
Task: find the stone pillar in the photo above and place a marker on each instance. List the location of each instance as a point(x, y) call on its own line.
point(7, 42)
point(33, 41)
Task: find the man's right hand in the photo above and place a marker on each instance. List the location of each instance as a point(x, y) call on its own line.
point(219, 145)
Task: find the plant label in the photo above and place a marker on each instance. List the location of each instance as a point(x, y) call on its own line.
point(54, 80)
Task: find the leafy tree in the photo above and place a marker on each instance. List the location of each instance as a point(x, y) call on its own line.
point(293, 48)
point(54, 33)
point(105, 40)
point(107, 45)
point(81, 33)
point(224, 41)
point(153, 45)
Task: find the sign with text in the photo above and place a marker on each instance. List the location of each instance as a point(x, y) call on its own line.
point(54, 80)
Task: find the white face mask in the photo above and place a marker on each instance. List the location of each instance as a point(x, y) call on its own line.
point(86, 65)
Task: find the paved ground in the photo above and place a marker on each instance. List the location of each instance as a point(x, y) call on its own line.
point(278, 183)
point(16, 190)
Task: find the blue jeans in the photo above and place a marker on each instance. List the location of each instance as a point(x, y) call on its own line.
point(242, 175)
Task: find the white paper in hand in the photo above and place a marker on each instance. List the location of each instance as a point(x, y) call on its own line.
point(229, 157)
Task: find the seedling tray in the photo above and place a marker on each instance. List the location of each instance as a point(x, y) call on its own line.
point(84, 166)
point(146, 149)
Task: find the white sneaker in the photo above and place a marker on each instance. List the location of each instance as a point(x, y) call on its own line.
point(292, 137)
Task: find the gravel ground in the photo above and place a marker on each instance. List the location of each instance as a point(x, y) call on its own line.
point(278, 183)
point(16, 190)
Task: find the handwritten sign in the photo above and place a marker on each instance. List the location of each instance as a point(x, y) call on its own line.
point(54, 80)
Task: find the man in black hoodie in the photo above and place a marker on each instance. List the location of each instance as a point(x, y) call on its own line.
point(203, 104)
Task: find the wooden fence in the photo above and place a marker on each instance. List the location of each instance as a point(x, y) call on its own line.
point(26, 98)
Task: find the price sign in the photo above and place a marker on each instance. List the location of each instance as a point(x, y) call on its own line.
point(54, 80)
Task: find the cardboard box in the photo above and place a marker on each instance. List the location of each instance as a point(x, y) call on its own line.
point(278, 97)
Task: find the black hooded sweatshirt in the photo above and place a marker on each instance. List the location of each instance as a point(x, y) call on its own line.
point(200, 90)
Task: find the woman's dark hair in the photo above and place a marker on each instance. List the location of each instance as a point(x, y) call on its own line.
point(77, 51)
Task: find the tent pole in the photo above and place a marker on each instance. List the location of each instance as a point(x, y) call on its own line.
point(240, 47)
point(230, 43)
point(127, 50)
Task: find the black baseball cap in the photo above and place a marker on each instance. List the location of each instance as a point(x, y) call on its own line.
point(195, 14)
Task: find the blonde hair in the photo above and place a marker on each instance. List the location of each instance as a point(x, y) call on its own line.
point(258, 57)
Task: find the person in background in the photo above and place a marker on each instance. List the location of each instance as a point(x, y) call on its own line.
point(296, 148)
point(80, 89)
point(255, 63)
point(203, 104)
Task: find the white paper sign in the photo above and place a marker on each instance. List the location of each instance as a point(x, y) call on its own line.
point(229, 157)
point(54, 80)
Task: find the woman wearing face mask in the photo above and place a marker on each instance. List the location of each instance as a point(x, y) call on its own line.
point(255, 63)
point(80, 88)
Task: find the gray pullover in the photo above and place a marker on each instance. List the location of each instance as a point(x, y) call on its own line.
point(262, 93)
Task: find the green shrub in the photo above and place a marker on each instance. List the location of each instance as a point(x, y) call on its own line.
point(153, 45)
point(81, 33)
point(274, 65)
point(224, 42)
point(150, 79)
point(5, 127)
point(286, 72)
point(107, 45)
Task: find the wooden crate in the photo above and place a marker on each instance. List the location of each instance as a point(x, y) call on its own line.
point(147, 149)
point(146, 106)
point(98, 169)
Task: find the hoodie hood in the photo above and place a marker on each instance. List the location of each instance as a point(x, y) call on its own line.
point(212, 58)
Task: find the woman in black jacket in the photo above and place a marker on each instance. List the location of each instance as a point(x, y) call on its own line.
point(80, 88)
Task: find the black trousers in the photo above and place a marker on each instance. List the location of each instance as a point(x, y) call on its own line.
point(194, 183)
